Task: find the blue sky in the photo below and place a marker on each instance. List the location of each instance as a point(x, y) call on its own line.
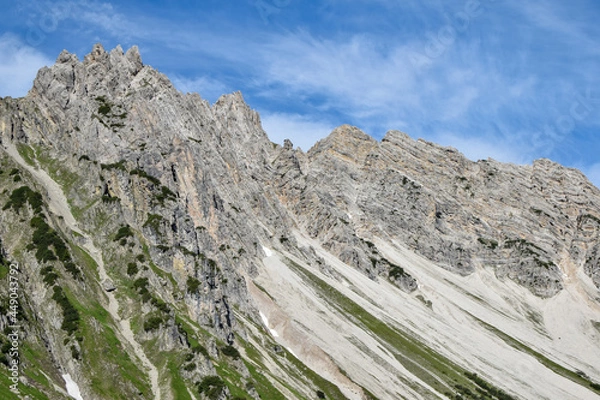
point(506, 79)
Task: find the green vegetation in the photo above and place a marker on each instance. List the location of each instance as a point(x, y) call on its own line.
point(49, 275)
point(489, 243)
point(47, 243)
point(132, 269)
point(231, 351)
point(141, 285)
point(58, 171)
point(165, 194)
point(211, 387)
point(327, 388)
point(553, 366)
point(19, 197)
point(104, 107)
point(153, 322)
point(103, 351)
point(45, 237)
point(119, 165)
point(108, 111)
point(177, 383)
point(107, 198)
point(70, 314)
point(27, 153)
point(123, 233)
point(396, 271)
point(154, 222)
point(418, 358)
point(145, 175)
point(485, 390)
point(193, 285)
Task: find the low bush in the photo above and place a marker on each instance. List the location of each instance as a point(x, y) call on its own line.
point(193, 284)
point(153, 323)
point(231, 351)
point(124, 232)
point(132, 269)
point(211, 387)
point(19, 197)
point(70, 314)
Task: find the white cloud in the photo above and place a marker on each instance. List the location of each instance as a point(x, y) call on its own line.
point(18, 66)
point(481, 148)
point(354, 74)
point(301, 130)
point(207, 88)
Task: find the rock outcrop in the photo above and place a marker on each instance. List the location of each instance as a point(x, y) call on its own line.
point(185, 199)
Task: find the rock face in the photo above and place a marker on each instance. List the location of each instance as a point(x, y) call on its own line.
point(180, 201)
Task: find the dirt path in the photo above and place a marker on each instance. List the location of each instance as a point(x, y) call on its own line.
point(59, 205)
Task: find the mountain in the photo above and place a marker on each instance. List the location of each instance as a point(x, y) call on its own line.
point(155, 246)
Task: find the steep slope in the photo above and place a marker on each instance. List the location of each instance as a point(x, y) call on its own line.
point(169, 250)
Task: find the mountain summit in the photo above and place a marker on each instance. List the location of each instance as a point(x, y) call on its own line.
point(161, 247)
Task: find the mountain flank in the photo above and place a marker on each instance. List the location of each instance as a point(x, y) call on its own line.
point(167, 249)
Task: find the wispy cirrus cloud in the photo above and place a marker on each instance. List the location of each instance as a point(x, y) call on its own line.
point(19, 65)
point(490, 78)
point(209, 88)
point(301, 130)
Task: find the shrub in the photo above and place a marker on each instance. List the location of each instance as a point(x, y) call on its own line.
point(192, 284)
point(74, 352)
point(160, 305)
point(489, 243)
point(165, 194)
point(190, 367)
point(50, 278)
point(211, 387)
point(141, 284)
point(110, 199)
point(199, 349)
point(153, 323)
point(45, 237)
point(231, 351)
point(117, 165)
point(123, 233)
point(154, 221)
point(70, 314)
point(23, 195)
point(396, 271)
point(132, 269)
point(144, 174)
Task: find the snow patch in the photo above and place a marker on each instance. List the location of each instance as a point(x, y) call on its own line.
point(266, 322)
point(292, 352)
point(268, 252)
point(72, 387)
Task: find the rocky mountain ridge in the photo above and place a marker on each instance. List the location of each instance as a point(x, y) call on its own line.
point(186, 222)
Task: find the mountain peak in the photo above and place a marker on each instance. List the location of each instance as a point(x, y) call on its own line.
point(181, 244)
point(98, 54)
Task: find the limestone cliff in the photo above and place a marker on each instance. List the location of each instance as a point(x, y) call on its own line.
point(153, 224)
